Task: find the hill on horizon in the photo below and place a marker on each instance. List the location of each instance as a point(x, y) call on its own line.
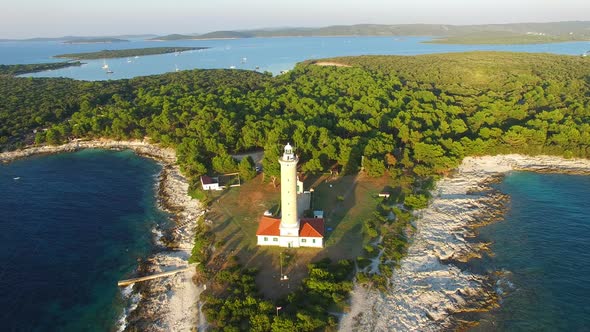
point(557, 31)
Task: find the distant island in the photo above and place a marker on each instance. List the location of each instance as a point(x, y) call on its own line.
point(495, 38)
point(514, 33)
point(100, 40)
point(210, 35)
point(108, 54)
point(70, 38)
point(175, 36)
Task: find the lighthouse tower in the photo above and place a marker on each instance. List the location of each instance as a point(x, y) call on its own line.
point(290, 231)
point(289, 221)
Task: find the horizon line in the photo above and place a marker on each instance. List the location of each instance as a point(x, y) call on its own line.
point(284, 27)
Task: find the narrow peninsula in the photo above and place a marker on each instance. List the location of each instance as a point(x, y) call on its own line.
point(98, 40)
point(15, 70)
point(109, 54)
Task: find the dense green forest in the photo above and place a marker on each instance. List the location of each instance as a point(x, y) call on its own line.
point(419, 113)
point(411, 117)
point(107, 54)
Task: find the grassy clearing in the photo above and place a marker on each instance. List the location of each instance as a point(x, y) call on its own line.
point(234, 216)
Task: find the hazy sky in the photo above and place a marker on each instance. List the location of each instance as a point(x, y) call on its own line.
point(51, 18)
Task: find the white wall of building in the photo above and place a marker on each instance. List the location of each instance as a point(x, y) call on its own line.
point(211, 186)
point(314, 242)
point(267, 240)
point(290, 241)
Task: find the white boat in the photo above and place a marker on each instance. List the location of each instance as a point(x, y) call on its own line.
point(137, 56)
point(176, 68)
point(232, 67)
point(244, 60)
point(110, 72)
point(105, 66)
point(128, 60)
point(17, 178)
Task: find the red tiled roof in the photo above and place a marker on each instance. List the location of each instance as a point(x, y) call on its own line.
point(311, 227)
point(269, 226)
point(206, 179)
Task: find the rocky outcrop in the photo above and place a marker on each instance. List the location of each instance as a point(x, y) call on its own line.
point(430, 287)
point(171, 303)
point(143, 148)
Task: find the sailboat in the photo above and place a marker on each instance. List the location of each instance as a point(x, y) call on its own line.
point(176, 68)
point(106, 68)
point(244, 60)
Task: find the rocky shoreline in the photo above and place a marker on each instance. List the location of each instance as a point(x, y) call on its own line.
point(166, 304)
point(430, 292)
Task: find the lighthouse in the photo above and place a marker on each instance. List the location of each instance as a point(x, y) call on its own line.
point(290, 230)
point(289, 220)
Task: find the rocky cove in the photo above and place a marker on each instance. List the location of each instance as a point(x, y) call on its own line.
point(166, 304)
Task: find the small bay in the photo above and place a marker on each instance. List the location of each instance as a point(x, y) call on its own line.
point(71, 225)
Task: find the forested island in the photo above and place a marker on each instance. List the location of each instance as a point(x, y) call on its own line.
point(513, 33)
point(173, 37)
point(210, 35)
point(409, 118)
point(107, 54)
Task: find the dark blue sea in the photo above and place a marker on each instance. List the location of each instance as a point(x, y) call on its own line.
point(543, 250)
point(70, 227)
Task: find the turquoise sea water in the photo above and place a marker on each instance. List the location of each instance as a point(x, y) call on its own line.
point(268, 54)
point(70, 227)
point(543, 248)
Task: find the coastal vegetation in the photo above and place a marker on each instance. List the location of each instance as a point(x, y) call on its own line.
point(406, 119)
point(237, 306)
point(15, 70)
point(107, 54)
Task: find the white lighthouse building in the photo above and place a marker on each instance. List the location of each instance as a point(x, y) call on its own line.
point(290, 230)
